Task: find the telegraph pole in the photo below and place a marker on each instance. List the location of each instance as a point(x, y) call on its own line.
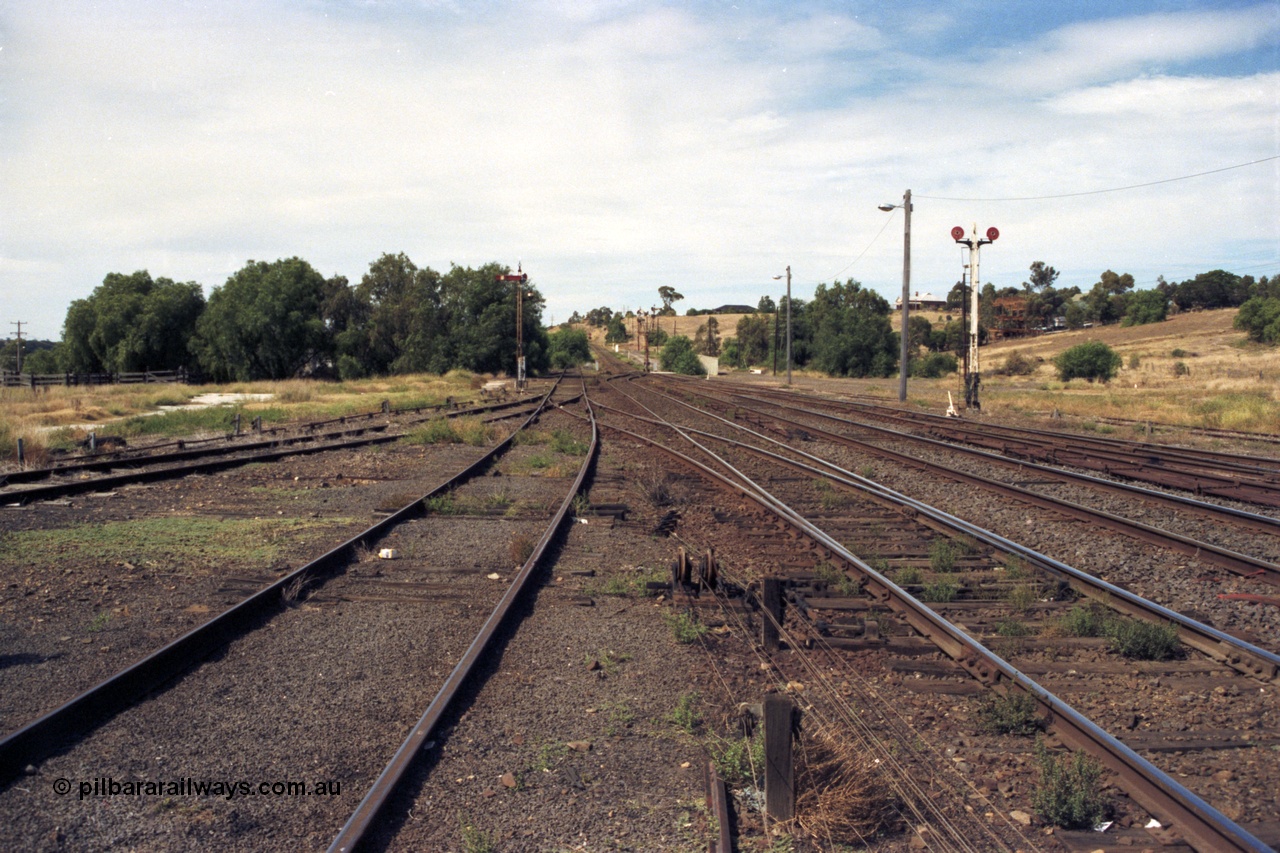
point(972, 378)
point(18, 323)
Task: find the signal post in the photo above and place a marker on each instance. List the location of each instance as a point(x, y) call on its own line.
point(971, 372)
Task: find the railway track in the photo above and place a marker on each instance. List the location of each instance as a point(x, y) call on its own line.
point(982, 617)
point(787, 424)
point(1250, 479)
point(904, 680)
point(110, 470)
point(262, 640)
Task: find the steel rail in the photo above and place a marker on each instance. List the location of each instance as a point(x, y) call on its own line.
point(1240, 655)
point(1191, 456)
point(1103, 457)
point(1254, 521)
point(375, 802)
point(222, 459)
point(1242, 564)
point(197, 448)
point(1203, 826)
point(87, 711)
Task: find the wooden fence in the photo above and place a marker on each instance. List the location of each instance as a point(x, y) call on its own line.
point(45, 380)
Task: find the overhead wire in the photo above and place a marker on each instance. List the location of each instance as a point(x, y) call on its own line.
point(1109, 189)
point(1050, 197)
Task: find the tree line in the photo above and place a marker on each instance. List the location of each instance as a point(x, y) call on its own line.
point(280, 319)
point(846, 330)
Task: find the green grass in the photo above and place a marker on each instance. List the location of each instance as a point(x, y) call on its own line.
point(685, 715)
point(940, 591)
point(549, 756)
point(472, 431)
point(1011, 628)
point(835, 579)
point(1084, 620)
point(739, 761)
point(1012, 713)
point(164, 542)
point(1143, 640)
point(1023, 596)
point(474, 839)
point(564, 442)
point(943, 554)
point(907, 575)
point(627, 584)
point(685, 628)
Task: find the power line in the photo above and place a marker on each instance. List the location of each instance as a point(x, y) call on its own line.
point(849, 266)
point(1112, 189)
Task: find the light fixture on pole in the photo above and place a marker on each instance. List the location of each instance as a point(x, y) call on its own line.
point(776, 278)
point(906, 287)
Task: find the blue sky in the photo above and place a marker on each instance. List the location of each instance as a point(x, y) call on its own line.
point(614, 147)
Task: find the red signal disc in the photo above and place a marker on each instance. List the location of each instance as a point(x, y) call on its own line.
point(992, 234)
point(957, 233)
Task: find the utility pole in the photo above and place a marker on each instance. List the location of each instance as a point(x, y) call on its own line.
point(642, 323)
point(18, 323)
point(775, 329)
point(972, 378)
point(520, 278)
point(906, 288)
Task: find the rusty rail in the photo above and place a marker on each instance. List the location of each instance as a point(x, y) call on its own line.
point(84, 713)
point(1202, 825)
point(375, 802)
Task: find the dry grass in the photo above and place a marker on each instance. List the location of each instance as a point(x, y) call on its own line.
point(57, 416)
point(1230, 383)
point(841, 795)
point(522, 545)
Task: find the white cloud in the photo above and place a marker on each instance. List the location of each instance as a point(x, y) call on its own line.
point(613, 147)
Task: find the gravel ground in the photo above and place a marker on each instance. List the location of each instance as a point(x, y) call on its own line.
point(572, 740)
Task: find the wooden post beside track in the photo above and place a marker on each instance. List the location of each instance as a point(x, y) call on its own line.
point(779, 772)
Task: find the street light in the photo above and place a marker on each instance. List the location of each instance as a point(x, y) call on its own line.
point(906, 285)
point(776, 278)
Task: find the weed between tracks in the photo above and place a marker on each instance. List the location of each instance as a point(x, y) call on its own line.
point(685, 628)
point(1130, 638)
point(842, 795)
point(165, 542)
point(1069, 794)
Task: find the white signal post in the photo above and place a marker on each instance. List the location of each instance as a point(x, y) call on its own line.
point(971, 379)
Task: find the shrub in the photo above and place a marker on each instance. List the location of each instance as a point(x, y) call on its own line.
point(678, 357)
point(1070, 792)
point(1143, 640)
point(1017, 364)
point(934, 365)
point(1090, 360)
point(568, 347)
point(1180, 369)
point(1261, 319)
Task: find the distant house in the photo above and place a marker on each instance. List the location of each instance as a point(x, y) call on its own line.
point(922, 302)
